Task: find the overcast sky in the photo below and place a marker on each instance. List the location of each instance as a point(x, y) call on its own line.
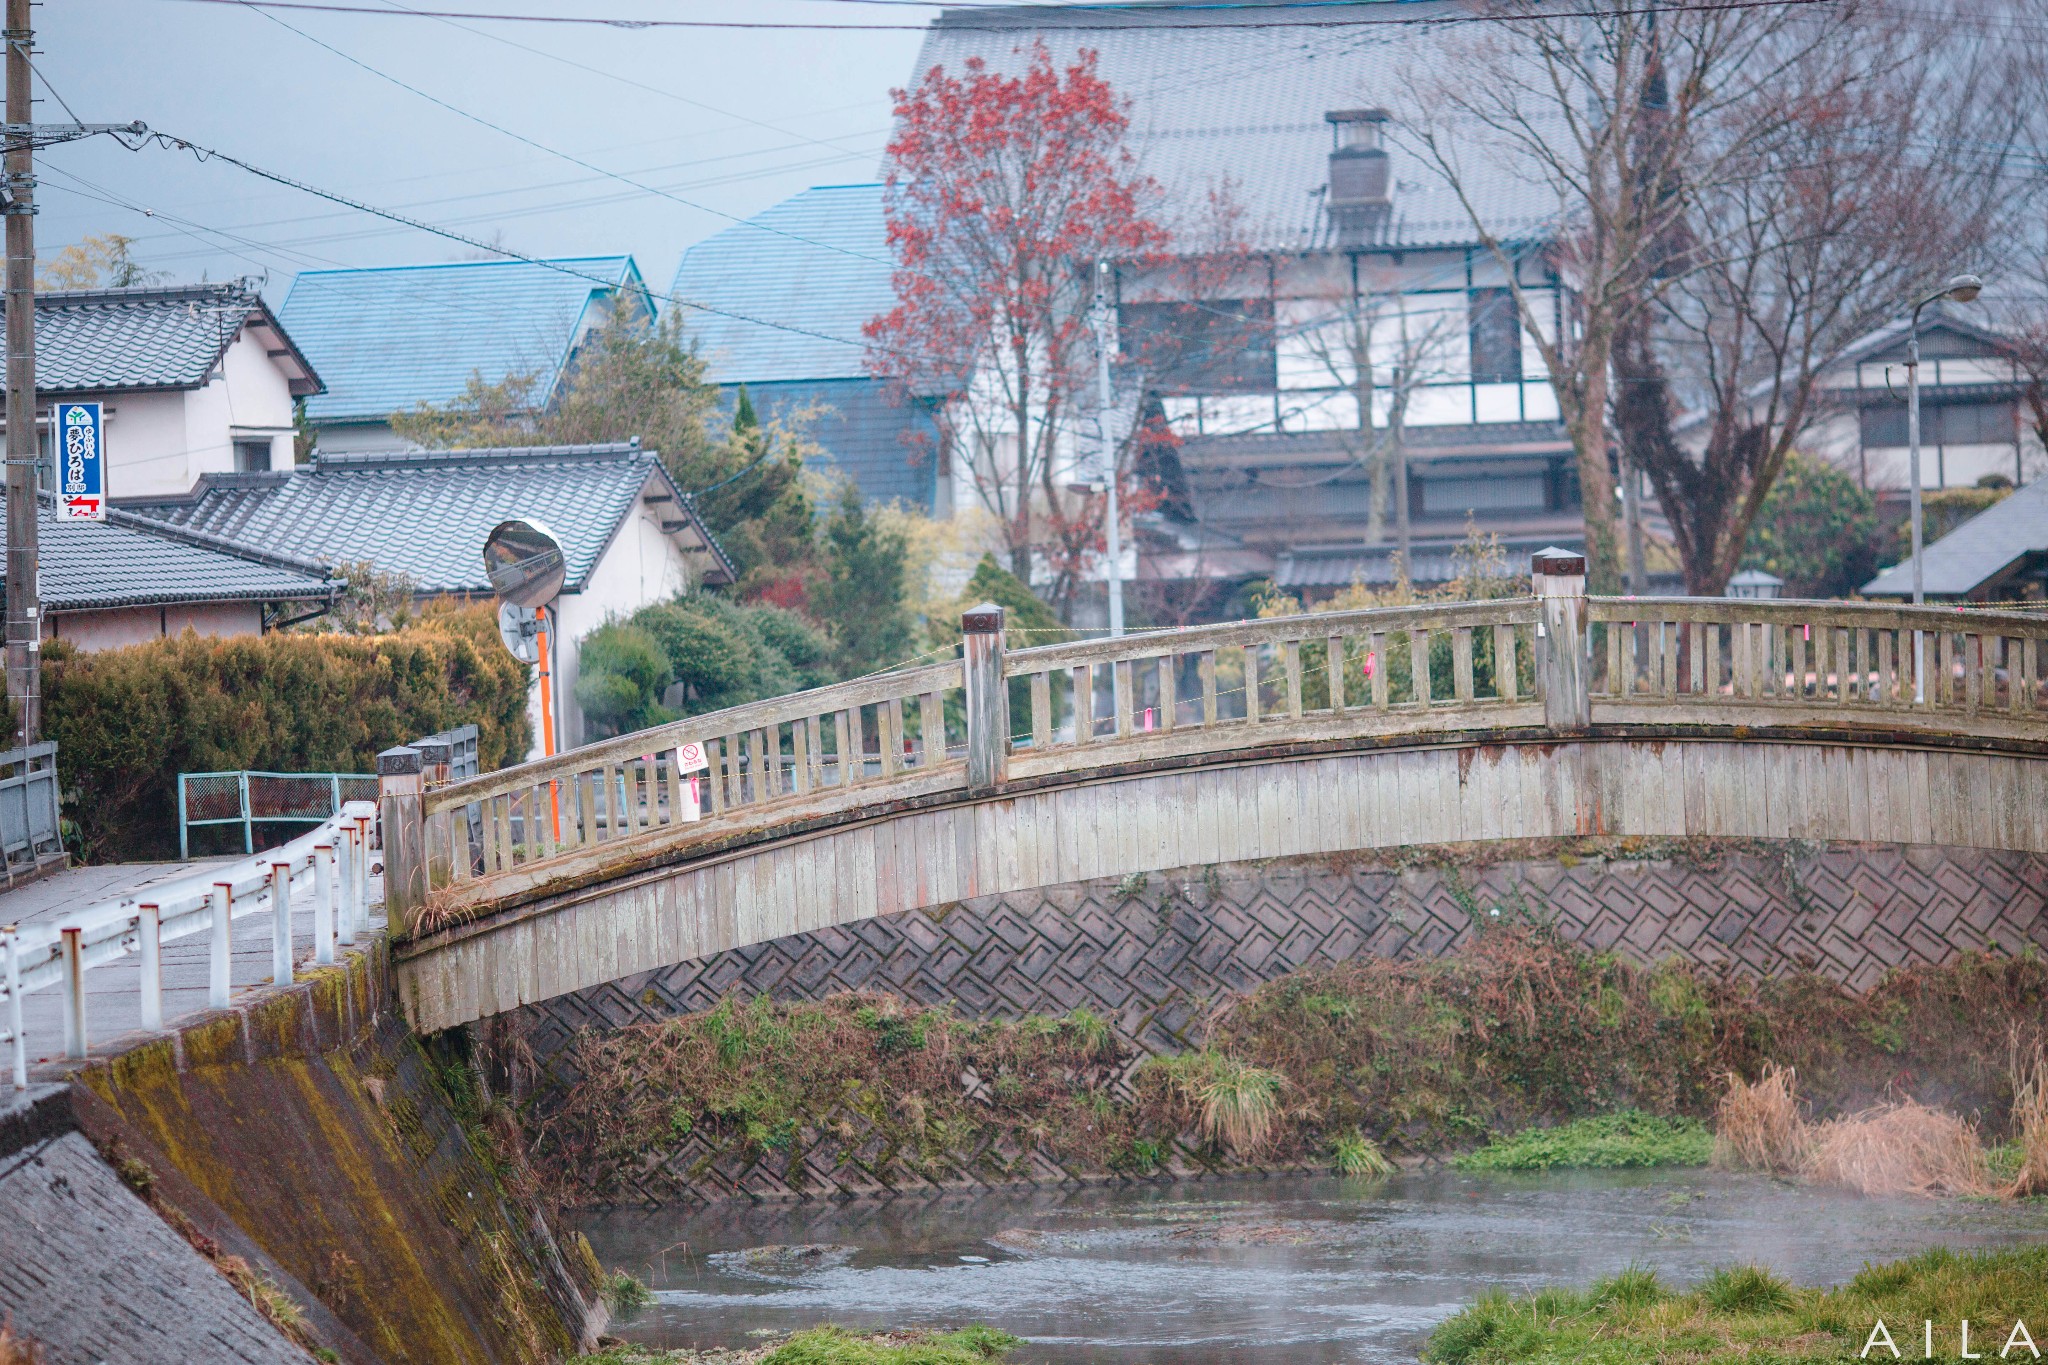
point(729, 121)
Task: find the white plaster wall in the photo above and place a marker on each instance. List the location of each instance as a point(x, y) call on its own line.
point(158, 444)
point(643, 566)
point(356, 437)
point(111, 629)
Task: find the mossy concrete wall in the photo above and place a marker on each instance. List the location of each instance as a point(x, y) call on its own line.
point(313, 1125)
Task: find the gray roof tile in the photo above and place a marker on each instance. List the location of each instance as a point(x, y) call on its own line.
point(1977, 551)
point(426, 514)
point(105, 340)
point(122, 563)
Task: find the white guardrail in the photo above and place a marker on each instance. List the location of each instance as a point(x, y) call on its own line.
point(332, 862)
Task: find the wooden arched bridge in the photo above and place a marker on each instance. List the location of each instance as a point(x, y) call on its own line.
point(1542, 716)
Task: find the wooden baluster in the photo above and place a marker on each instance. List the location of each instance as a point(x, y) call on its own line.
point(1290, 660)
point(931, 728)
point(1122, 699)
point(2024, 691)
point(1461, 665)
point(1169, 689)
point(1205, 664)
point(508, 839)
point(1972, 649)
point(842, 738)
point(1377, 653)
point(800, 757)
point(1798, 637)
point(1616, 686)
point(1943, 693)
point(1333, 667)
point(1625, 687)
point(492, 856)
point(1506, 685)
point(1667, 635)
point(1251, 684)
point(1084, 704)
point(889, 721)
point(1418, 664)
point(814, 751)
point(714, 773)
point(1041, 710)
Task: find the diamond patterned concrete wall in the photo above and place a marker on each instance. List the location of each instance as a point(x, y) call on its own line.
point(1153, 957)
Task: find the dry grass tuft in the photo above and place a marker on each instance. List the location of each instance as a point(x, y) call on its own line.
point(1900, 1148)
point(1760, 1125)
point(2030, 1120)
point(15, 1348)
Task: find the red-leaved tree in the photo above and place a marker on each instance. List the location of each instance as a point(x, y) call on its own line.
point(1002, 192)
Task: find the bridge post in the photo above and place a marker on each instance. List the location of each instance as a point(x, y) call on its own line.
point(400, 808)
point(1558, 579)
point(436, 759)
point(988, 698)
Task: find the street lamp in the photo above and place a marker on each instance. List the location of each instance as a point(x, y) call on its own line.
point(1963, 289)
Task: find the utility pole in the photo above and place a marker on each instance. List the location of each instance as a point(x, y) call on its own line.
point(24, 615)
point(1105, 332)
point(1397, 433)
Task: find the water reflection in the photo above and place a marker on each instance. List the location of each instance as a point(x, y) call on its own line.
point(1294, 1271)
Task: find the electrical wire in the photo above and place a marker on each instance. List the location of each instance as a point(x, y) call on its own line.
point(1540, 15)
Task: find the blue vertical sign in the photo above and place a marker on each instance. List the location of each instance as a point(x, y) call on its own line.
point(81, 463)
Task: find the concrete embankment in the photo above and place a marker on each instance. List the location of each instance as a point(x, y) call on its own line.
point(293, 1177)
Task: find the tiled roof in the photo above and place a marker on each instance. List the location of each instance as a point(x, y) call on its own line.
point(119, 563)
point(1242, 104)
point(387, 340)
point(817, 264)
point(103, 340)
point(1977, 551)
point(426, 514)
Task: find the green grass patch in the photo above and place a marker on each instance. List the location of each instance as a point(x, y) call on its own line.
point(1629, 1138)
point(1746, 1315)
point(834, 1346)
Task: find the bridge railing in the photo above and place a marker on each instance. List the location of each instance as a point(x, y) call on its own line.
point(1328, 675)
point(902, 729)
point(328, 866)
point(1818, 663)
point(1553, 662)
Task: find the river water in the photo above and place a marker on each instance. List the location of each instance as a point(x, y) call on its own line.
point(1290, 1270)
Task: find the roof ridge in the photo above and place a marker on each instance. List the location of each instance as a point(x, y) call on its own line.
point(154, 293)
point(206, 540)
point(540, 262)
point(342, 462)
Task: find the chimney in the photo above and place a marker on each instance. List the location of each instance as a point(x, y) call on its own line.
point(1361, 189)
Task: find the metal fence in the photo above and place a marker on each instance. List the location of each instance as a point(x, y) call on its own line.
point(29, 805)
point(250, 799)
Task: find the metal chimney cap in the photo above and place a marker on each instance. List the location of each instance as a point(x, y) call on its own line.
point(1357, 116)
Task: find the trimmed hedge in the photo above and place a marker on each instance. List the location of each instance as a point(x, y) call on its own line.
point(128, 721)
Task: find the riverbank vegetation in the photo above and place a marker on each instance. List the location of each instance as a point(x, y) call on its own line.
point(1629, 1138)
point(1898, 1146)
point(1747, 1314)
point(1554, 1055)
point(834, 1346)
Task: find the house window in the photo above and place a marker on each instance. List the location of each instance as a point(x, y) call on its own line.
point(1491, 493)
point(1203, 346)
point(1942, 424)
point(252, 456)
point(1496, 337)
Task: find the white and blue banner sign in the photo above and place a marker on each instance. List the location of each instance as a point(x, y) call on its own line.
point(81, 463)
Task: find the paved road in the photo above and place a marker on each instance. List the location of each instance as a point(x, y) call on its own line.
point(113, 1016)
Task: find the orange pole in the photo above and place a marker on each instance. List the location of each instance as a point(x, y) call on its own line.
point(547, 719)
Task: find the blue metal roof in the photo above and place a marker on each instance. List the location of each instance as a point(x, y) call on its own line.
point(867, 432)
point(806, 275)
point(388, 339)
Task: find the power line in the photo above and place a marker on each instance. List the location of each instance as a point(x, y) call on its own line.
point(569, 157)
point(1430, 21)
